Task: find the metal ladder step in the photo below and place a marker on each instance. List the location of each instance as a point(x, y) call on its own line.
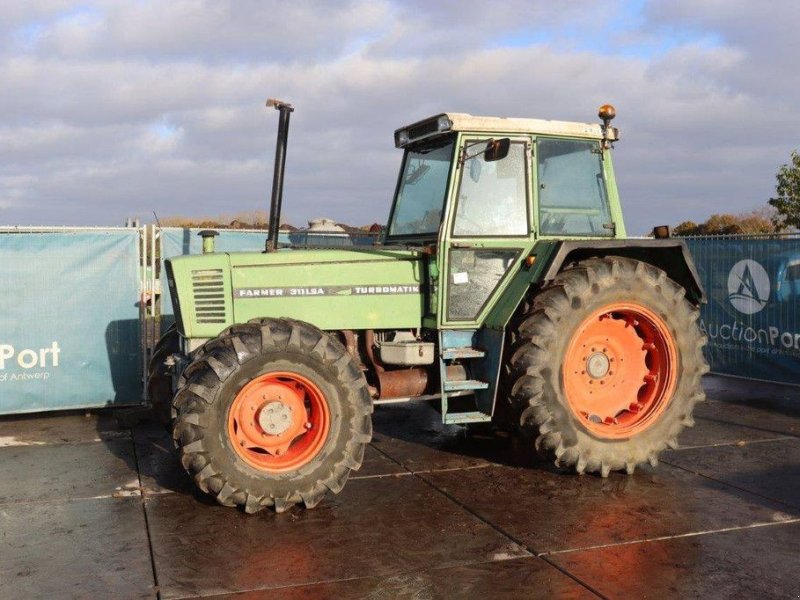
point(458, 418)
point(454, 353)
point(464, 384)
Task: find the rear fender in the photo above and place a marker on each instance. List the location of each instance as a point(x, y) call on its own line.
point(670, 255)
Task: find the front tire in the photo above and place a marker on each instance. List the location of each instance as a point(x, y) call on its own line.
point(274, 413)
point(159, 377)
point(606, 366)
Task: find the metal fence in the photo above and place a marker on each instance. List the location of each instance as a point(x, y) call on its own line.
point(333, 240)
point(752, 318)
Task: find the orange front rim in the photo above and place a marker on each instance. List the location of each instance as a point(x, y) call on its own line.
point(279, 422)
point(620, 370)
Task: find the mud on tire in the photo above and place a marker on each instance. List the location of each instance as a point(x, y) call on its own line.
point(542, 338)
point(219, 373)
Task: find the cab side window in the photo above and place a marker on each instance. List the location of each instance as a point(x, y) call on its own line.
point(572, 189)
point(492, 197)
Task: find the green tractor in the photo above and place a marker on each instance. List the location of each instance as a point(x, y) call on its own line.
point(504, 291)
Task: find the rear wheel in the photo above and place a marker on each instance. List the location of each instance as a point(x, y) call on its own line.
point(606, 365)
point(273, 413)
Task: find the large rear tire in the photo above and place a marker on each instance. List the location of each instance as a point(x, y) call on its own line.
point(606, 364)
point(272, 414)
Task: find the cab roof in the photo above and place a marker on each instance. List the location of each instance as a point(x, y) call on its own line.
point(445, 122)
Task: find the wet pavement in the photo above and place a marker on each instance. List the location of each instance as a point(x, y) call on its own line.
point(90, 509)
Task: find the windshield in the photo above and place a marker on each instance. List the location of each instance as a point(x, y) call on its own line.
point(423, 184)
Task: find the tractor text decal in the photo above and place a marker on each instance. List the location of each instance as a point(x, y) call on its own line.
point(338, 290)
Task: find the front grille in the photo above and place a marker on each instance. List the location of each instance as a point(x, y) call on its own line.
point(208, 286)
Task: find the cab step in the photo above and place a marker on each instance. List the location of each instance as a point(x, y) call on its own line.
point(459, 418)
point(462, 353)
point(464, 384)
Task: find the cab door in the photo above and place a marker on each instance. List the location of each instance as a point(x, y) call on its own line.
point(487, 231)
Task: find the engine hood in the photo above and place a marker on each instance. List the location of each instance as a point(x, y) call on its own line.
point(375, 288)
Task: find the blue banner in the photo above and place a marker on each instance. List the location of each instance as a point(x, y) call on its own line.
point(752, 318)
point(70, 333)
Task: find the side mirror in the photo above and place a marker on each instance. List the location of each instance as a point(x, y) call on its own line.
point(496, 149)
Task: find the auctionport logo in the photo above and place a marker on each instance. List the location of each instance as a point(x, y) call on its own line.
point(32, 361)
point(749, 291)
point(748, 287)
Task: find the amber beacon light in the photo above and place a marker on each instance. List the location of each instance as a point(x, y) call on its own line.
point(610, 134)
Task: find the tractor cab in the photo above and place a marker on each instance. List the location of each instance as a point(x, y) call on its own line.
point(479, 192)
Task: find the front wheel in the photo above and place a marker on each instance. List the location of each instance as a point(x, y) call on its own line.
point(606, 366)
point(274, 413)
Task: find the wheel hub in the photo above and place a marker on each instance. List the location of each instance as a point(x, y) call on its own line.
point(278, 422)
point(275, 417)
point(619, 370)
point(598, 365)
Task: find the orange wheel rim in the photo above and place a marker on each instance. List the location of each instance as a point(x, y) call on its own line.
point(620, 370)
point(278, 422)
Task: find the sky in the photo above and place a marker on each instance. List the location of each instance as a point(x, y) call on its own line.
point(111, 110)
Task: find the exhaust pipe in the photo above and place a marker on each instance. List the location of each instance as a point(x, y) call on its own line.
point(286, 110)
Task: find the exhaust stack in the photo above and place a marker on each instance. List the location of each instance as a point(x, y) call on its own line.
point(286, 110)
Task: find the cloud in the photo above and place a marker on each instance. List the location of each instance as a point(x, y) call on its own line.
point(214, 31)
point(115, 109)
